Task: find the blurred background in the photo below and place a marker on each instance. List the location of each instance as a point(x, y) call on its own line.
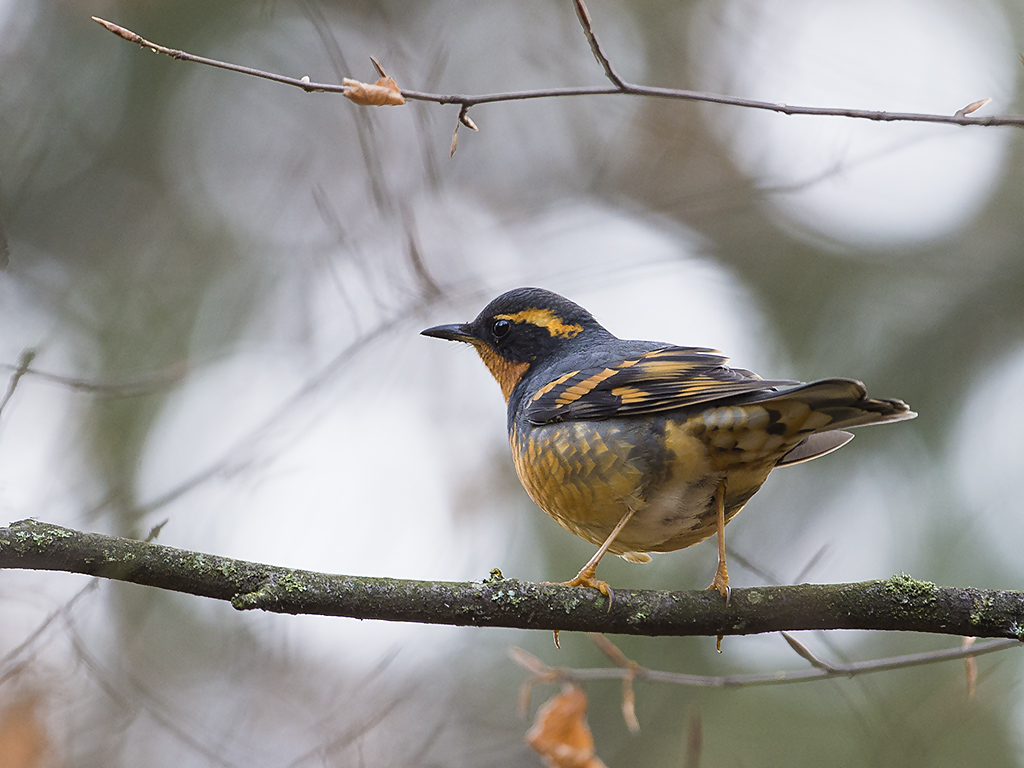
point(226, 278)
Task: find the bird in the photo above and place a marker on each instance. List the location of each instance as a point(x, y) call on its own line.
point(641, 447)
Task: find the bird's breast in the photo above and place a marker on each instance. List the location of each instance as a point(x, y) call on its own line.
point(588, 474)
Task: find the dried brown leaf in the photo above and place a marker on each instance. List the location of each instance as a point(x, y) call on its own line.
point(383, 93)
point(23, 741)
point(560, 734)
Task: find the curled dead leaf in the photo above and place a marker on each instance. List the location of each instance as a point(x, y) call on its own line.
point(383, 93)
point(560, 734)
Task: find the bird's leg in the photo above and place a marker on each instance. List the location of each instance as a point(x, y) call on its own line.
point(585, 578)
point(721, 580)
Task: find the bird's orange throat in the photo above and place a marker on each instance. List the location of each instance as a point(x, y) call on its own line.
point(505, 372)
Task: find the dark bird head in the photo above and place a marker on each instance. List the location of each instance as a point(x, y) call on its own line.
point(521, 330)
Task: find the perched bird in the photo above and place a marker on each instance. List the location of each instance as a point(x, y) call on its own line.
point(641, 446)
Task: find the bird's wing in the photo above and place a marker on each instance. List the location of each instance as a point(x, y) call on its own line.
point(659, 380)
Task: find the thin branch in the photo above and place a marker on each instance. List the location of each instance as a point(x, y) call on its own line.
point(27, 356)
point(543, 673)
point(132, 37)
point(469, 100)
point(899, 603)
point(12, 663)
point(241, 453)
point(588, 29)
point(804, 652)
point(970, 666)
point(137, 387)
point(140, 695)
point(613, 652)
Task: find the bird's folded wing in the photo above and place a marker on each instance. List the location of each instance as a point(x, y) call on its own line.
point(659, 380)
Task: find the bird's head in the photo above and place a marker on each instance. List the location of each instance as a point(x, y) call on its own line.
point(521, 330)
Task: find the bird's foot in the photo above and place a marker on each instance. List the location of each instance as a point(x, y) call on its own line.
point(587, 578)
point(721, 582)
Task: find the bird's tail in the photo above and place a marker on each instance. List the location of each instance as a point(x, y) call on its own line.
point(822, 410)
point(844, 402)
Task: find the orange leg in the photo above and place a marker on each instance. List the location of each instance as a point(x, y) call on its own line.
point(721, 580)
point(586, 576)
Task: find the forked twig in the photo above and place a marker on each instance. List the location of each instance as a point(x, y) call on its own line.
point(588, 29)
point(544, 673)
point(18, 372)
point(962, 117)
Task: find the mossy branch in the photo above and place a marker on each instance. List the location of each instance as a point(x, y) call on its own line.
point(899, 603)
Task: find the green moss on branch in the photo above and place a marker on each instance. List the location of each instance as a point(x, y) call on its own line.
point(899, 603)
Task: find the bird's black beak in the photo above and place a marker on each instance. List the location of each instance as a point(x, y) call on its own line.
point(456, 332)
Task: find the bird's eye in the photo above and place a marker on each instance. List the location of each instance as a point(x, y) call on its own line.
point(501, 328)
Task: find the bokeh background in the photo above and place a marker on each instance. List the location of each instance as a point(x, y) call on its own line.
point(239, 271)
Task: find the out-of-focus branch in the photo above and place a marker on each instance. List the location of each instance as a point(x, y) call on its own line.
point(899, 603)
point(544, 673)
point(136, 386)
point(17, 374)
point(619, 86)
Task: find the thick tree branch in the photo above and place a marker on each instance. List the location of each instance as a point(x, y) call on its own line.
point(898, 603)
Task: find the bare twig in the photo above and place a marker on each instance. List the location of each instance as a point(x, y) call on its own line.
point(620, 659)
point(240, 453)
point(136, 387)
point(10, 664)
point(588, 29)
point(130, 693)
point(970, 666)
point(542, 673)
point(694, 739)
point(804, 653)
point(27, 356)
point(469, 100)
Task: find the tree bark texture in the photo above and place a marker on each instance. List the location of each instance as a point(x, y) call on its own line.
point(899, 603)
